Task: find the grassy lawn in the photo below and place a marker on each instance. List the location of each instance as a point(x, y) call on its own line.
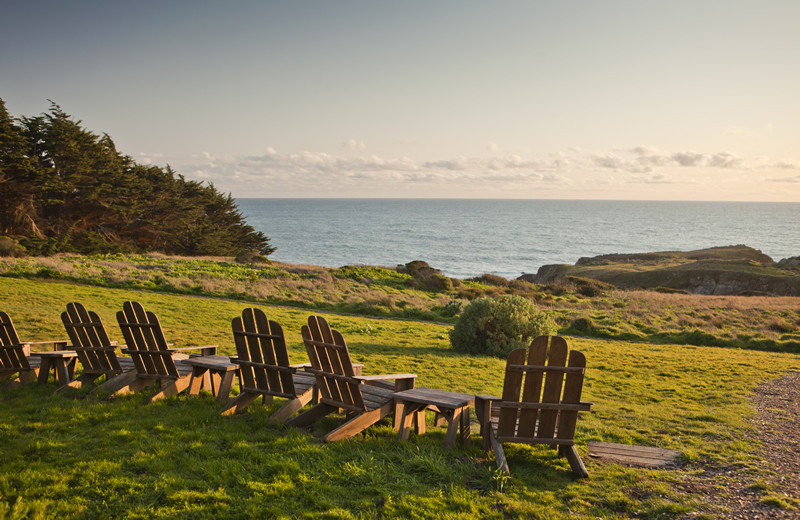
point(64, 455)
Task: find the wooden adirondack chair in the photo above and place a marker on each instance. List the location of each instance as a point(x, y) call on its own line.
point(265, 369)
point(96, 353)
point(530, 412)
point(153, 359)
point(340, 388)
point(17, 359)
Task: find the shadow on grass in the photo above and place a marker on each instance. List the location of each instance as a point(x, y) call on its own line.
point(179, 458)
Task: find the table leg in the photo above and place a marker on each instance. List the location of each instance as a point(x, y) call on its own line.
point(465, 426)
point(44, 371)
point(196, 381)
point(224, 388)
point(62, 371)
point(216, 381)
point(420, 422)
point(410, 412)
point(399, 415)
point(71, 368)
point(454, 421)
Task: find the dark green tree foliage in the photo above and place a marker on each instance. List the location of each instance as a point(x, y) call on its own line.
point(17, 179)
point(63, 188)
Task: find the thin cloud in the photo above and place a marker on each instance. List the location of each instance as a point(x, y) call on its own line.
point(791, 180)
point(372, 175)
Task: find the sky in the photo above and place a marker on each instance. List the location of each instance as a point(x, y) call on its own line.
point(678, 100)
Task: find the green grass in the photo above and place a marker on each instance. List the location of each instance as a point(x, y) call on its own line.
point(67, 456)
point(581, 307)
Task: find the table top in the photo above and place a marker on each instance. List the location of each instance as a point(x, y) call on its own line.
point(215, 362)
point(56, 354)
point(420, 394)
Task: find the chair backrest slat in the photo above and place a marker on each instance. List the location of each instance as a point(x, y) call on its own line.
point(262, 341)
point(541, 374)
point(573, 388)
point(330, 360)
point(87, 334)
point(142, 332)
point(512, 386)
point(12, 352)
point(553, 383)
point(537, 355)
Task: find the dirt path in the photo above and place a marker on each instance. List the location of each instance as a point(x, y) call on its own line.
point(777, 428)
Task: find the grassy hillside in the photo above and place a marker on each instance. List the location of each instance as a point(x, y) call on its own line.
point(66, 456)
point(581, 306)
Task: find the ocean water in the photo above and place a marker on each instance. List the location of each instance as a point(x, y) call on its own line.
point(467, 238)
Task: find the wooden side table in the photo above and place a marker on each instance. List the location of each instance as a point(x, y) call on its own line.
point(62, 362)
point(215, 371)
point(454, 407)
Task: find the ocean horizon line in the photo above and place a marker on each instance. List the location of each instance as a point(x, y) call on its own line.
point(441, 199)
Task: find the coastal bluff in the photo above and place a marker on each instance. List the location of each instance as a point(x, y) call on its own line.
point(727, 270)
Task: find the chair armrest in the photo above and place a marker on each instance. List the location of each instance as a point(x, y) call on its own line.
point(378, 377)
point(205, 350)
point(58, 344)
point(301, 365)
point(401, 381)
point(25, 346)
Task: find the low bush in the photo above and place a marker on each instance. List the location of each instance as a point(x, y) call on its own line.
point(251, 256)
point(668, 290)
point(10, 247)
point(496, 326)
point(589, 287)
point(582, 324)
point(448, 310)
point(490, 279)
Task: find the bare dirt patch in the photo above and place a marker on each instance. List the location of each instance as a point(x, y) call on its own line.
point(774, 492)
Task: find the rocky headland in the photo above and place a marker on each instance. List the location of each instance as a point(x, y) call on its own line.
point(728, 270)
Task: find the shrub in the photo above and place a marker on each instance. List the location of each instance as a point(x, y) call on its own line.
point(251, 256)
point(490, 279)
point(582, 324)
point(496, 326)
point(780, 326)
point(10, 247)
point(589, 287)
point(668, 290)
point(449, 310)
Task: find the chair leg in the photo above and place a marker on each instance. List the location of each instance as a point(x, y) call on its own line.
point(575, 461)
point(29, 376)
point(292, 407)
point(172, 388)
point(499, 454)
point(238, 404)
point(359, 423)
point(81, 380)
point(318, 411)
point(116, 384)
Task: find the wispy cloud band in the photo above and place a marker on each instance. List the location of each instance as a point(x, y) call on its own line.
point(292, 173)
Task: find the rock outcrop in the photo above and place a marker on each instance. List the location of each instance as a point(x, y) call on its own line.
point(729, 270)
